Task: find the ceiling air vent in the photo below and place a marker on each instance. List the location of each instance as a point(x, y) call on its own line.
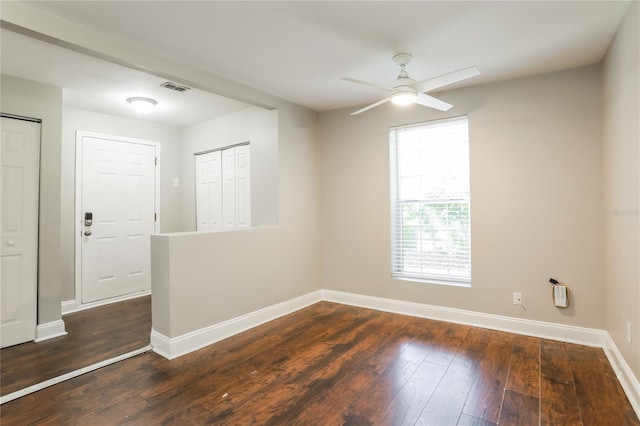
point(173, 86)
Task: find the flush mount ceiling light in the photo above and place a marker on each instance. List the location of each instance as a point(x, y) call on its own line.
point(142, 105)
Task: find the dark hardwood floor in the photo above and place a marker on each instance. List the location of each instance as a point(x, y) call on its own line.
point(331, 364)
point(93, 335)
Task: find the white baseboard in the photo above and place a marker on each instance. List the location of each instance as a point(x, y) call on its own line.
point(68, 306)
point(173, 347)
point(71, 306)
point(161, 345)
point(546, 330)
point(50, 330)
point(627, 379)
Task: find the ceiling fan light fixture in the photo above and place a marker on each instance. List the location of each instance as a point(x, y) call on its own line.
point(404, 98)
point(406, 91)
point(142, 105)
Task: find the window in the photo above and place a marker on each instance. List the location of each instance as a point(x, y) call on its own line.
point(430, 214)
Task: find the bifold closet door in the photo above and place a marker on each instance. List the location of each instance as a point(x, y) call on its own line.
point(223, 189)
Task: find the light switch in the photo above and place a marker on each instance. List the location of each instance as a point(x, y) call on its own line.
point(176, 182)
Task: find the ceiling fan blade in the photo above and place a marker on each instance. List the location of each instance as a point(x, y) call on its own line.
point(431, 102)
point(366, 83)
point(385, 100)
point(446, 79)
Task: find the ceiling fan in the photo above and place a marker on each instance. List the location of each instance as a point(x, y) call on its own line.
point(405, 90)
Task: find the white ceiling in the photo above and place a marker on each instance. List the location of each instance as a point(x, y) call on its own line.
point(96, 85)
point(300, 50)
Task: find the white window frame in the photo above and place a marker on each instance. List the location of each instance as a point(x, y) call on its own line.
point(397, 244)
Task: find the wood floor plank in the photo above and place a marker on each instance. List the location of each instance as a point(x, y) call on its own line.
point(269, 396)
point(112, 414)
point(139, 371)
point(378, 380)
point(554, 361)
point(600, 395)
point(443, 340)
point(331, 364)
point(559, 403)
point(520, 410)
point(476, 341)
point(38, 407)
point(408, 403)
point(192, 415)
point(333, 381)
point(524, 366)
point(467, 420)
point(403, 380)
point(485, 396)
point(320, 399)
point(446, 403)
point(69, 402)
point(90, 401)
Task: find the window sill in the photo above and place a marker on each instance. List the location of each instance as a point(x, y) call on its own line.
point(431, 281)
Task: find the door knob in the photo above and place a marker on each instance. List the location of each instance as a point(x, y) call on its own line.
point(87, 233)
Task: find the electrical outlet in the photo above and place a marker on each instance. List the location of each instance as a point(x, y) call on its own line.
point(628, 330)
point(517, 299)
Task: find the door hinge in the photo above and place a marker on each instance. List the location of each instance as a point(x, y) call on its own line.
point(156, 161)
point(155, 217)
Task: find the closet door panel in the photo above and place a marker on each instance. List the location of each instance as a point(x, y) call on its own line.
point(228, 188)
point(209, 191)
point(243, 186)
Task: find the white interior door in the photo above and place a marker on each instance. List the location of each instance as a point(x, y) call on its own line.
point(209, 191)
point(20, 159)
point(118, 216)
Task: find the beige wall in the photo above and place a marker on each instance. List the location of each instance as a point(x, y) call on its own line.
point(622, 187)
point(169, 137)
point(202, 279)
point(536, 198)
point(36, 100)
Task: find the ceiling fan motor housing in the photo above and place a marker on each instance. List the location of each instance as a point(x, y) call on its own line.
point(402, 59)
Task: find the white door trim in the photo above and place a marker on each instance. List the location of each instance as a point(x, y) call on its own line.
point(78, 198)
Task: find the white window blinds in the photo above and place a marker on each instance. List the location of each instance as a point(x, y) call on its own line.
point(430, 214)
